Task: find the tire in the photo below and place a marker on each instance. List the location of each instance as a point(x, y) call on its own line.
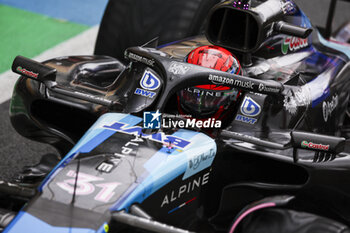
point(129, 23)
point(289, 221)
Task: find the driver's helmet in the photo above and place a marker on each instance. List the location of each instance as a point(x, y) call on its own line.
point(209, 101)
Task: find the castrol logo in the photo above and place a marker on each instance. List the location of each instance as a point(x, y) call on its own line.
point(291, 43)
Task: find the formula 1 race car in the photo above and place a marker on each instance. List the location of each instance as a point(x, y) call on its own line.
point(240, 130)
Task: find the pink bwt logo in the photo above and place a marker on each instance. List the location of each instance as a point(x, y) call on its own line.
point(86, 187)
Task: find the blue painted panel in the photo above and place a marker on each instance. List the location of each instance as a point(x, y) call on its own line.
point(339, 47)
point(92, 138)
point(164, 167)
point(25, 222)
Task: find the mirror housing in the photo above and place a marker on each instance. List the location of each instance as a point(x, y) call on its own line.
point(317, 142)
point(33, 69)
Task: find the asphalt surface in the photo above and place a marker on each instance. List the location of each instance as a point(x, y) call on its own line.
point(16, 151)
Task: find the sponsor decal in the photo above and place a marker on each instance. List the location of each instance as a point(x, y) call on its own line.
point(262, 87)
point(139, 58)
point(234, 93)
point(199, 162)
point(108, 166)
point(152, 120)
point(129, 147)
point(27, 72)
point(295, 99)
point(87, 184)
point(186, 188)
point(328, 107)
point(105, 167)
point(145, 93)
point(220, 80)
point(178, 68)
point(249, 109)
point(148, 82)
point(292, 43)
point(182, 205)
point(245, 119)
point(157, 137)
point(94, 97)
point(311, 145)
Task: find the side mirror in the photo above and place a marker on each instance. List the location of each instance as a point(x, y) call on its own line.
point(316, 142)
point(292, 30)
point(33, 69)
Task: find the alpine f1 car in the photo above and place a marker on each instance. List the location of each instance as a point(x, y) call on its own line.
point(238, 130)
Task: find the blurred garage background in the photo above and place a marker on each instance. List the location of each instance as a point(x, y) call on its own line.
point(42, 29)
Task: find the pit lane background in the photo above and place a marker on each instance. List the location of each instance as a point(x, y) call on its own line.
point(42, 29)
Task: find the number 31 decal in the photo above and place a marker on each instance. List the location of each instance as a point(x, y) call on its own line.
point(86, 187)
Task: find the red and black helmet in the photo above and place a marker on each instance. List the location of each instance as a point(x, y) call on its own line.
point(214, 57)
point(209, 101)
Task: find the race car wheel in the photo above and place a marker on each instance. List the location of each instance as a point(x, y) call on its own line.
point(289, 221)
point(129, 23)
